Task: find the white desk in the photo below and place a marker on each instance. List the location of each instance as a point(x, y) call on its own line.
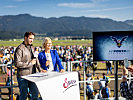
point(56, 86)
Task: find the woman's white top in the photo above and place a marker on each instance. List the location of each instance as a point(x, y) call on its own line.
point(48, 57)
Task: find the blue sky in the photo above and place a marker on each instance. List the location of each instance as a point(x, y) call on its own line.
point(119, 10)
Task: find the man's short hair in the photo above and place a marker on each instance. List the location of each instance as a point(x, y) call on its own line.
point(28, 33)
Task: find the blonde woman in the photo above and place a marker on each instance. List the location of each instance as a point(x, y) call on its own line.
point(49, 59)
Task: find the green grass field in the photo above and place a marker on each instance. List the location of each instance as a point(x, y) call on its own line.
point(55, 42)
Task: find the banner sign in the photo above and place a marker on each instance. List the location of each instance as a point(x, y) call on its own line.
point(113, 45)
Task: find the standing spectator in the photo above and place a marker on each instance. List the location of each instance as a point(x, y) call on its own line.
point(97, 95)
point(76, 64)
point(90, 60)
point(8, 83)
point(106, 78)
point(89, 76)
point(79, 77)
point(1, 62)
point(8, 80)
point(89, 85)
point(126, 88)
point(94, 67)
point(26, 64)
point(105, 91)
point(83, 55)
point(80, 64)
point(90, 90)
point(101, 84)
point(109, 66)
point(36, 52)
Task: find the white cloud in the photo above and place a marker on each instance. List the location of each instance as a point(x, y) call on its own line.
point(107, 9)
point(20, 0)
point(10, 6)
point(97, 1)
point(99, 16)
point(92, 3)
point(76, 5)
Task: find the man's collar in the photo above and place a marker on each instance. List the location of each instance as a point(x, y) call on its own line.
point(26, 45)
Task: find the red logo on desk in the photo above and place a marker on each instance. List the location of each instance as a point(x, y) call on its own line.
point(68, 84)
point(65, 85)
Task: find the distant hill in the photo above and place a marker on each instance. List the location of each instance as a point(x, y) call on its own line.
point(130, 22)
point(16, 25)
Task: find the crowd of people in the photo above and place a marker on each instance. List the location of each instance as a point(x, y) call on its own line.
point(66, 53)
point(102, 92)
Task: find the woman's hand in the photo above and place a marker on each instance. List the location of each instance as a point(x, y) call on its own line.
point(62, 70)
point(47, 63)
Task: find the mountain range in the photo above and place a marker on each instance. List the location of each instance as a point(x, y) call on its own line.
point(14, 26)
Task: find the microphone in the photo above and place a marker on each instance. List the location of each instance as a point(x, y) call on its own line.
point(48, 66)
point(48, 59)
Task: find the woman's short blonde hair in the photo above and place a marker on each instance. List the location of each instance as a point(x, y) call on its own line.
point(46, 39)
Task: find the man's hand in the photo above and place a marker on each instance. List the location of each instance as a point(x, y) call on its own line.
point(33, 61)
point(44, 71)
point(125, 71)
point(130, 69)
